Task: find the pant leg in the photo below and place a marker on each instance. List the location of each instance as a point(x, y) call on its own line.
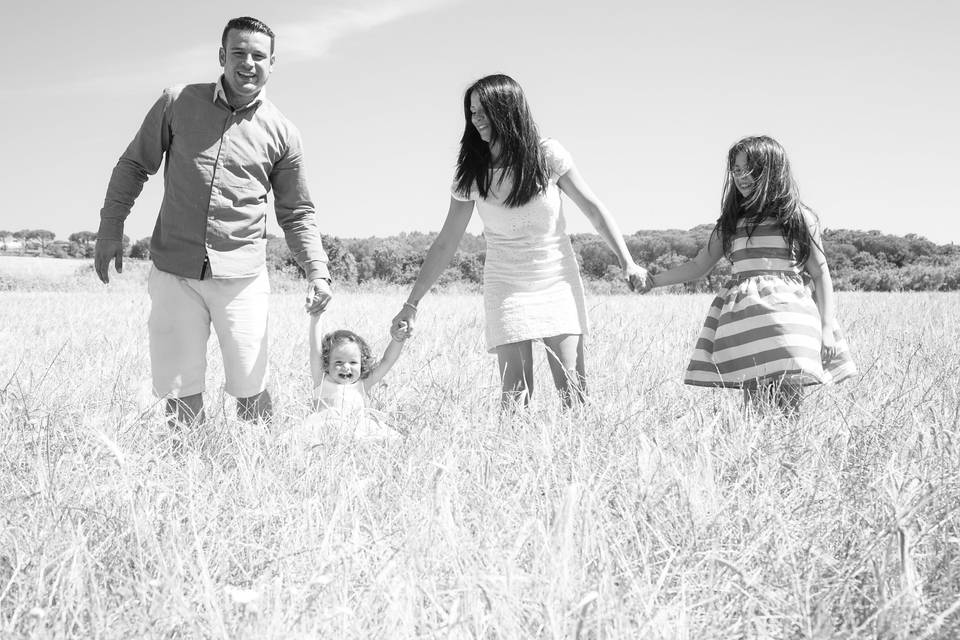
point(179, 327)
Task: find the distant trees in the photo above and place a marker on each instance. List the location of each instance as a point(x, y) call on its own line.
point(83, 237)
point(29, 238)
point(140, 249)
point(21, 236)
point(82, 244)
point(58, 249)
point(873, 261)
point(859, 260)
point(43, 237)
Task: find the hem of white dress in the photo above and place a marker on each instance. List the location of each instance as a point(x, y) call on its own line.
point(493, 348)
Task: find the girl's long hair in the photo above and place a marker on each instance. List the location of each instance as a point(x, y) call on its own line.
point(512, 126)
point(774, 195)
point(340, 336)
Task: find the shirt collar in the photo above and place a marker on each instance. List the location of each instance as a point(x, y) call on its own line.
point(218, 92)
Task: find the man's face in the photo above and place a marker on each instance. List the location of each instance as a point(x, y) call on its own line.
point(247, 63)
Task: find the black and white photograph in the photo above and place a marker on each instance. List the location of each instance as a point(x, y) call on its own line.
point(362, 319)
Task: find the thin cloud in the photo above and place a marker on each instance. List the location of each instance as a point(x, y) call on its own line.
point(311, 39)
point(300, 41)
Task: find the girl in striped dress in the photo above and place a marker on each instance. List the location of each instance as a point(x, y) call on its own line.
point(766, 332)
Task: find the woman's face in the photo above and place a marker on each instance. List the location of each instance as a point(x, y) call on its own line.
point(478, 117)
point(742, 177)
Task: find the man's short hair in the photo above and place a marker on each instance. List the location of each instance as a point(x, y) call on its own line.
point(247, 23)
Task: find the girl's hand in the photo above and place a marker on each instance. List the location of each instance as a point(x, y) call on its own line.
point(828, 345)
point(637, 278)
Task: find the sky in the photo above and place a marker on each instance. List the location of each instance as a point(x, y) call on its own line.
point(647, 97)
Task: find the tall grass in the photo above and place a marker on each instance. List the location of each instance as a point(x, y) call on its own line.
point(658, 511)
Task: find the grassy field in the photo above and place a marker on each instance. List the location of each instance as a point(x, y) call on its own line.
point(659, 511)
point(29, 272)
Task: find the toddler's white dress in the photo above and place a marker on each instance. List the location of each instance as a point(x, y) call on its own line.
point(346, 409)
point(345, 400)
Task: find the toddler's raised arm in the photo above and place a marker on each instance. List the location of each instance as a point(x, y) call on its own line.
point(316, 353)
point(390, 356)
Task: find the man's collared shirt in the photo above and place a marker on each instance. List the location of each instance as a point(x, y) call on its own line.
point(219, 166)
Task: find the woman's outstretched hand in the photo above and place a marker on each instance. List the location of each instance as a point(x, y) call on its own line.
point(401, 327)
point(637, 278)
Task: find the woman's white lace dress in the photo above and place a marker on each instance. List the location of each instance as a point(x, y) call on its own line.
point(531, 281)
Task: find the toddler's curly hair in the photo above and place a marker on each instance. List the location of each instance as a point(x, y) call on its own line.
point(340, 336)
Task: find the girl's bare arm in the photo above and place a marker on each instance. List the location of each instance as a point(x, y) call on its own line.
point(696, 268)
point(816, 266)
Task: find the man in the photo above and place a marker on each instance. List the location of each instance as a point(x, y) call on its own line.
point(224, 146)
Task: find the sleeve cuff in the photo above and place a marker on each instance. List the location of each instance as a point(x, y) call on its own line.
point(110, 229)
point(318, 270)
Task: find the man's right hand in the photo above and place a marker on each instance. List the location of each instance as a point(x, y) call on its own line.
point(103, 253)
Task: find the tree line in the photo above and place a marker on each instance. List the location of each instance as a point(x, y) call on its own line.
point(859, 260)
point(44, 243)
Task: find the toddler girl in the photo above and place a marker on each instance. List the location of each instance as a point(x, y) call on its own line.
point(343, 371)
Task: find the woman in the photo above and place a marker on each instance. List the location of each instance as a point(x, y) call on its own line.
point(531, 281)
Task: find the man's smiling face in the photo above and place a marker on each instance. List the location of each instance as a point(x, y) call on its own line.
point(247, 62)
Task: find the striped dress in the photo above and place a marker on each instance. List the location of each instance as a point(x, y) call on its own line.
point(764, 325)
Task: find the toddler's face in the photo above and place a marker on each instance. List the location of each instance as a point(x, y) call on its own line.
point(344, 367)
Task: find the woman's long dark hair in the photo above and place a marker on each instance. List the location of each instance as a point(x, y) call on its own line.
point(512, 126)
point(774, 195)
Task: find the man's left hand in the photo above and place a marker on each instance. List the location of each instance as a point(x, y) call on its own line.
point(318, 296)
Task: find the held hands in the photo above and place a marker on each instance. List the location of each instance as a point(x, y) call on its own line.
point(400, 333)
point(318, 296)
point(401, 327)
point(648, 283)
point(105, 251)
point(638, 278)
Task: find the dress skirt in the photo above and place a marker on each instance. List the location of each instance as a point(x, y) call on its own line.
point(532, 292)
point(765, 328)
